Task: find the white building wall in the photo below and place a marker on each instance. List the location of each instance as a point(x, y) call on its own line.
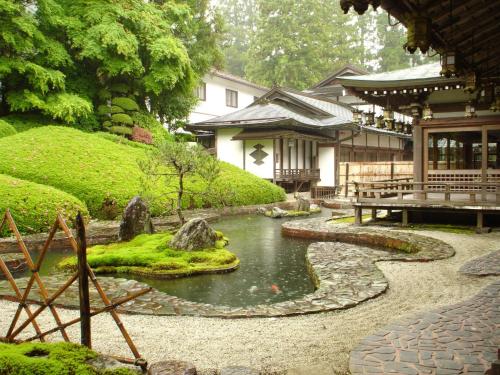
point(264, 170)
point(228, 150)
point(215, 103)
point(326, 161)
point(372, 140)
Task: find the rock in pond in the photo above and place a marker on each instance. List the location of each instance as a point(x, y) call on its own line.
point(136, 220)
point(195, 234)
point(277, 212)
point(172, 368)
point(303, 204)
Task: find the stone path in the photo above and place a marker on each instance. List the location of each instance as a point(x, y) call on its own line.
point(457, 339)
point(345, 275)
point(483, 266)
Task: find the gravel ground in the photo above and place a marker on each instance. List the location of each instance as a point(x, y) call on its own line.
point(317, 344)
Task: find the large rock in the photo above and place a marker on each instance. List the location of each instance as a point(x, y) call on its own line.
point(303, 204)
point(172, 368)
point(277, 212)
point(195, 234)
point(136, 220)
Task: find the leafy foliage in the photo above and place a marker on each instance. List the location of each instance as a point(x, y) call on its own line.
point(34, 206)
point(297, 42)
point(50, 359)
point(63, 58)
point(125, 103)
point(149, 254)
point(96, 170)
point(6, 129)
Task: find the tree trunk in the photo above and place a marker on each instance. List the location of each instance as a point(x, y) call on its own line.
point(180, 192)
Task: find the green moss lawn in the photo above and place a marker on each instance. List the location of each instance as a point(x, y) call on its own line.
point(50, 359)
point(150, 255)
point(95, 168)
point(34, 207)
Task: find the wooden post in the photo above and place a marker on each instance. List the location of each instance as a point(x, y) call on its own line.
point(83, 282)
point(404, 221)
point(274, 161)
point(358, 215)
point(484, 162)
point(346, 179)
point(282, 155)
point(244, 155)
point(392, 170)
point(374, 214)
point(480, 222)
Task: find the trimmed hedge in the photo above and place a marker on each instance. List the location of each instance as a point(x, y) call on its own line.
point(122, 118)
point(97, 170)
point(34, 207)
point(125, 103)
point(6, 129)
point(122, 130)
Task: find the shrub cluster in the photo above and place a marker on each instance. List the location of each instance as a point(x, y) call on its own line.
point(34, 207)
point(6, 129)
point(97, 170)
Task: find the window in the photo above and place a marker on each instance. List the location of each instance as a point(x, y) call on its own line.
point(201, 91)
point(231, 98)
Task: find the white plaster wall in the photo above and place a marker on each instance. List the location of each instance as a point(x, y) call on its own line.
point(264, 170)
point(360, 139)
point(384, 141)
point(228, 150)
point(326, 163)
point(215, 103)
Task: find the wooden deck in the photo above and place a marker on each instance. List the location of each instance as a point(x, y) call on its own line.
point(478, 198)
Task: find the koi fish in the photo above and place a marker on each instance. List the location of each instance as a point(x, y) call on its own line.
point(275, 289)
point(253, 289)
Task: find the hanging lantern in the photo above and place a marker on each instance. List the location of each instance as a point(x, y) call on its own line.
point(419, 31)
point(400, 126)
point(415, 109)
point(357, 117)
point(370, 118)
point(449, 64)
point(427, 112)
point(380, 122)
point(470, 110)
point(388, 114)
point(408, 128)
point(470, 82)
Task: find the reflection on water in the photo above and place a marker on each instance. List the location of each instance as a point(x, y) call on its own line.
point(272, 268)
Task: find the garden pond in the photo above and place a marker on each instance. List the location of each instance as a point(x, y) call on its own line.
point(273, 267)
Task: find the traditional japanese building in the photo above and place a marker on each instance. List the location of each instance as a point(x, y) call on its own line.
point(297, 139)
point(455, 105)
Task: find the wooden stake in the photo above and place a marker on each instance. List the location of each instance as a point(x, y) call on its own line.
point(83, 282)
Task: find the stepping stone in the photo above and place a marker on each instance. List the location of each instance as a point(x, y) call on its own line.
point(172, 368)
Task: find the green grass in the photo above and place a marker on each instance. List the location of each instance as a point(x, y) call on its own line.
point(348, 219)
point(6, 129)
point(150, 254)
point(34, 207)
point(96, 170)
point(449, 228)
point(24, 122)
point(50, 359)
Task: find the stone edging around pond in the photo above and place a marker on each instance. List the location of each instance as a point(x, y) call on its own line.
point(345, 275)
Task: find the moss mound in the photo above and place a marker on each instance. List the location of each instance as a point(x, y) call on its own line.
point(33, 206)
point(6, 129)
point(98, 170)
point(150, 255)
point(50, 359)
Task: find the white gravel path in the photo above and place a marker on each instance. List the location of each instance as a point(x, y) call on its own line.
point(320, 343)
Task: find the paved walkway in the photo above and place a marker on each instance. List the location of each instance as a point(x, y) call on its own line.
point(457, 339)
point(483, 266)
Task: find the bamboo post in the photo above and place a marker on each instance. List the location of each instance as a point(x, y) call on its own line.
point(83, 282)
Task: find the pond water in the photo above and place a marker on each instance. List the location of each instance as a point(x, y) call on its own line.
point(272, 269)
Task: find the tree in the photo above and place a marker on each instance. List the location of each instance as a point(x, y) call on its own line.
point(61, 57)
point(239, 20)
point(33, 61)
point(298, 42)
point(173, 163)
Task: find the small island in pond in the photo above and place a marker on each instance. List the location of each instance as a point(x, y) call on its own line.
point(151, 255)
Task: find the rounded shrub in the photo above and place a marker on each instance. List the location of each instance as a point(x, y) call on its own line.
point(122, 130)
point(122, 118)
point(103, 110)
point(121, 88)
point(107, 124)
point(34, 207)
point(126, 103)
point(116, 109)
point(6, 129)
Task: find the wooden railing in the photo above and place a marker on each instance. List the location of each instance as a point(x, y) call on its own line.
point(461, 191)
point(389, 185)
point(297, 174)
point(324, 192)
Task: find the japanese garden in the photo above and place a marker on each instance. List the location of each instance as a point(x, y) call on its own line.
point(244, 187)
